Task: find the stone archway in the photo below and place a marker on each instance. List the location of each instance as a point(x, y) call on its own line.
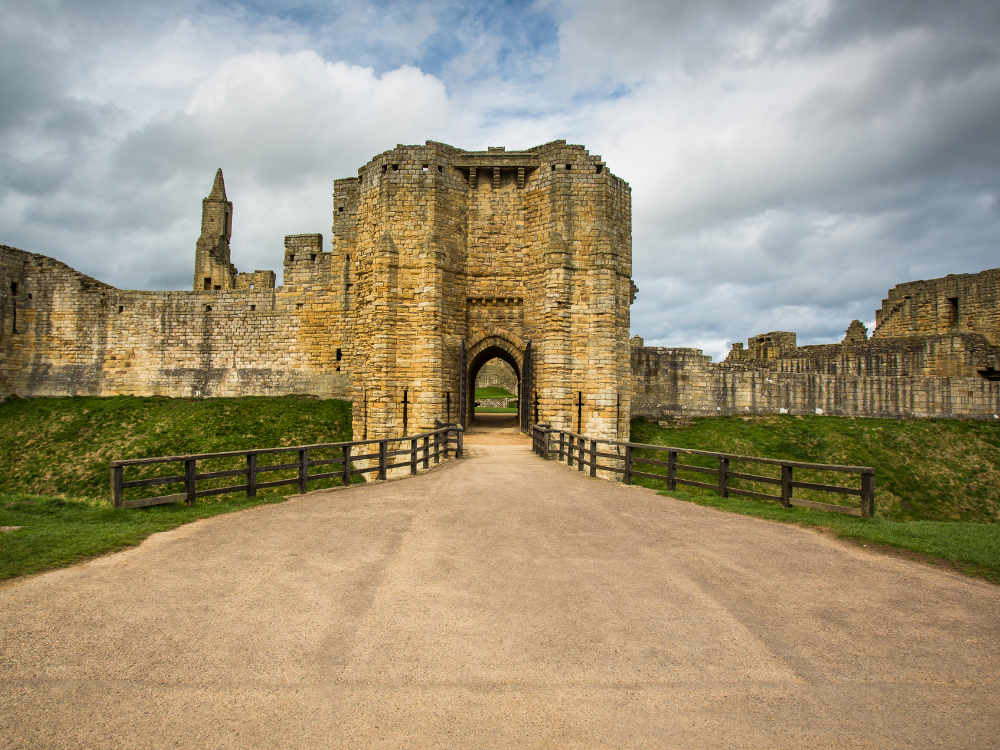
point(494, 345)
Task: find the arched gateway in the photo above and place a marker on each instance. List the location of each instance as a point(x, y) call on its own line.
point(450, 258)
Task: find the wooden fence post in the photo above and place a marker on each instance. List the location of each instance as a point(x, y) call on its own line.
point(723, 477)
point(461, 435)
point(413, 456)
point(546, 437)
point(447, 443)
point(561, 441)
point(190, 469)
point(437, 447)
point(580, 450)
point(382, 446)
point(671, 471)
point(303, 471)
point(786, 486)
point(569, 450)
point(251, 475)
point(117, 478)
point(628, 464)
point(593, 458)
point(345, 477)
point(867, 494)
point(427, 441)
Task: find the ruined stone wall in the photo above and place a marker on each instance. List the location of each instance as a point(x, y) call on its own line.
point(674, 383)
point(957, 303)
point(953, 375)
point(78, 336)
point(497, 374)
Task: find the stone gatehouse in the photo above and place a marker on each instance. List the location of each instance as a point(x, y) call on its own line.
point(441, 260)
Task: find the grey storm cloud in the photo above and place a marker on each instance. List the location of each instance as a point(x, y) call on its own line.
point(790, 160)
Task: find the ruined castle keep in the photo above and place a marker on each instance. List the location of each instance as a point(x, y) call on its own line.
point(935, 352)
point(441, 260)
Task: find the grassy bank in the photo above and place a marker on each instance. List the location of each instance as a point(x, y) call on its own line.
point(54, 456)
point(62, 446)
point(927, 470)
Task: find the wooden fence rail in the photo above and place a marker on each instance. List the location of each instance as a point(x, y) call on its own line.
point(417, 450)
point(582, 452)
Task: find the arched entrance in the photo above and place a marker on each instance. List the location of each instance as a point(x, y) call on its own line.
point(496, 345)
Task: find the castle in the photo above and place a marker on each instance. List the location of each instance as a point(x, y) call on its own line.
point(442, 260)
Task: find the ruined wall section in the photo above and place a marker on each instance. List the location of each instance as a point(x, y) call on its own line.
point(956, 304)
point(498, 374)
point(944, 376)
point(77, 336)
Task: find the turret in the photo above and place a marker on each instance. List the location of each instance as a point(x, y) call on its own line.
point(212, 268)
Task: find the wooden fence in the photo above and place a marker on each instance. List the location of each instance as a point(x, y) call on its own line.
point(583, 452)
point(418, 450)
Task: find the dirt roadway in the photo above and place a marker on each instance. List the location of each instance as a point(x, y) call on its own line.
point(499, 601)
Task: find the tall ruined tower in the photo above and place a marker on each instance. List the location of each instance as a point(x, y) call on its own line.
point(212, 268)
point(450, 258)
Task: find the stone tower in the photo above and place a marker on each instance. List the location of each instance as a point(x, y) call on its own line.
point(212, 268)
point(450, 258)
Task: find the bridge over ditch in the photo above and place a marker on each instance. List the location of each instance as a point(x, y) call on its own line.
point(497, 601)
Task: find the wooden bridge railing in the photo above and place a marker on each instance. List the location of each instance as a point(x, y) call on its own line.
point(418, 450)
point(583, 452)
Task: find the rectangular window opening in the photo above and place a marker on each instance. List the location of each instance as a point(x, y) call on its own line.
point(395, 167)
point(121, 309)
point(251, 286)
point(341, 209)
point(253, 307)
point(952, 312)
point(208, 285)
point(313, 256)
point(340, 355)
point(440, 168)
point(569, 166)
point(424, 168)
point(208, 308)
point(218, 288)
point(385, 168)
point(298, 305)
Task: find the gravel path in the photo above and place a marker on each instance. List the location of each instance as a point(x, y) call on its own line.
point(497, 601)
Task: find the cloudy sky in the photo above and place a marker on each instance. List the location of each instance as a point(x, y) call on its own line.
point(790, 160)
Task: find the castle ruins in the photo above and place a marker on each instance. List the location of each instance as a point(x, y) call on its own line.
point(443, 260)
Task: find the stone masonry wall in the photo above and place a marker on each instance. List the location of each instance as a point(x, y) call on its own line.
point(497, 374)
point(928, 370)
point(77, 336)
point(958, 303)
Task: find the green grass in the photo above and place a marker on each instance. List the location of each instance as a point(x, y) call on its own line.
point(54, 456)
point(926, 470)
point(493, 393)
point(62, 446)
point(494, 410)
